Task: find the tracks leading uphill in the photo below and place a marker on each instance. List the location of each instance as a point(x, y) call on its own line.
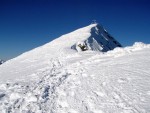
point(35, 97)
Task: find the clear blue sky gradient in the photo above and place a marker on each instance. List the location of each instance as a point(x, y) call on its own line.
point(26, 24)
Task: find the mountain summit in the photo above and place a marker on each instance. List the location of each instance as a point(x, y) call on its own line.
point(99, 40)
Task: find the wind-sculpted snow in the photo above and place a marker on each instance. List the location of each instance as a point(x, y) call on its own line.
point(57, 79)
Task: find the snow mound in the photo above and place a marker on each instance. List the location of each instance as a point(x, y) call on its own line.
point(127, 50)
point(140, 45)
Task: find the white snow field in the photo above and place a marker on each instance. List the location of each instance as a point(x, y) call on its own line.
point(60, 78)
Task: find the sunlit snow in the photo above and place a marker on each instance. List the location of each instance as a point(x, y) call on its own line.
point(60, 78)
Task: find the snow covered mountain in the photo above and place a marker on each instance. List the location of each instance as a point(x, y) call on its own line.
point(59, 78)
point(93, 37)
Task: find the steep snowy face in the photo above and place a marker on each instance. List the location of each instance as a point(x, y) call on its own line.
point(99, 40)
point(37, 59)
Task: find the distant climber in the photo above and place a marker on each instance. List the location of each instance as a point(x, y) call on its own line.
point(83, 47)
point(1, 61)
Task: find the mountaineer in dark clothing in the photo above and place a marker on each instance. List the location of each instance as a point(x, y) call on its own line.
point(83, 47)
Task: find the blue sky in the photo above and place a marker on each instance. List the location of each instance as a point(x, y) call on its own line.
point(26, 24)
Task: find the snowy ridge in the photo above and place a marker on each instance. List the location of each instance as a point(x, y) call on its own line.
point(57, 79)
point(58, 47)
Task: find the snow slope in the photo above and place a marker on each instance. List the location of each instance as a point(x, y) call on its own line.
point(57, 79)
point(35, 60)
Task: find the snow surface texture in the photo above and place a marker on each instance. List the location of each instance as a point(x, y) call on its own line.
point(56, 79)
